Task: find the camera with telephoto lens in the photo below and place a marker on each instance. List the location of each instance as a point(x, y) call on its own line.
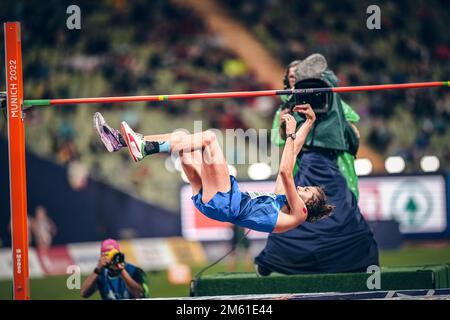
point(115, 257)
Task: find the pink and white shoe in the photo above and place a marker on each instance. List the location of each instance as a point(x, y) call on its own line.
point(134, 141)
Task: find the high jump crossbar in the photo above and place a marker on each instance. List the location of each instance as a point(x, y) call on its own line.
point(16, 137)
point(237, 94)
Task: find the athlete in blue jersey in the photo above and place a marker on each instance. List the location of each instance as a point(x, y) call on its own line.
point(216, 193)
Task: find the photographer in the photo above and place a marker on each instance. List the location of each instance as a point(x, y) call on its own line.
point(115, 278)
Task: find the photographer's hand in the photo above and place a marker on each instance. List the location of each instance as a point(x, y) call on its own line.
point(103, 262)
point(90, 284)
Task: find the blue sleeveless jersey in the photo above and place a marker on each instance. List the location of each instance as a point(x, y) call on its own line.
point(254, 210)
point(260, 210)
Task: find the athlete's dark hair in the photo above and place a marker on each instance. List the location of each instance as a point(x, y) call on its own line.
point(317, 206)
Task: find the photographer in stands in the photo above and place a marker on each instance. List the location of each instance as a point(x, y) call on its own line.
point(115, 278)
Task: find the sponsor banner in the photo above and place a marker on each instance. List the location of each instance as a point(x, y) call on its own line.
point(187, 252)
point(153, 253)
point(126, 247)
point(55, 260)
point(85, 255)
point(149, 254)
point(417, 202)
point(6, 264)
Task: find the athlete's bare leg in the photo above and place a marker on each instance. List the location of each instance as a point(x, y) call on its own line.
point(191, 163)
point(214, 169)
point(211, 167)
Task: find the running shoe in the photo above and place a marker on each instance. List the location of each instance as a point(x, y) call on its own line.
point(111, 137)
point(134, 141)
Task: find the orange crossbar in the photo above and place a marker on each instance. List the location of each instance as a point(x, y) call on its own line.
point(17, 170)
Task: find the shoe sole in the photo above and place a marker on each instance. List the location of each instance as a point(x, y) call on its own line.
point(132, 147)
point(98, 124)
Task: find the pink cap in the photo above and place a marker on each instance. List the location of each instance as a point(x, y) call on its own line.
point(109, 244)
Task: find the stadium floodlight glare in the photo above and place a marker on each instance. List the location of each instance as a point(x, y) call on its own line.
point(429, 164)
point(259, 171)
point(394, 164)
point(363, 167)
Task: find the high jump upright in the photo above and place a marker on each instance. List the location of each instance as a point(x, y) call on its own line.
point(17, 169)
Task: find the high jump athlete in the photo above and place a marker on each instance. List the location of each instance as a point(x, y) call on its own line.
point(216, 194)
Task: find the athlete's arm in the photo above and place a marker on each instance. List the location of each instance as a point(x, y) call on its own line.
point(282, 129)
point(296, 215)
point(300, 139)
point(303, 131)
point(279, 188)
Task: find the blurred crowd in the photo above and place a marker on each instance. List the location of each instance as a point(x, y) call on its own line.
point(154, 47)
point(409, 47)
point(124, 48)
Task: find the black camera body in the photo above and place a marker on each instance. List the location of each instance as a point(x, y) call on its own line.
point(119, 257)
point(320, 101)
point(115, 257)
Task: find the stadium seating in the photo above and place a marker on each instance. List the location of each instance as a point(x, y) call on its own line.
point(408, 124)
point(118, 51)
